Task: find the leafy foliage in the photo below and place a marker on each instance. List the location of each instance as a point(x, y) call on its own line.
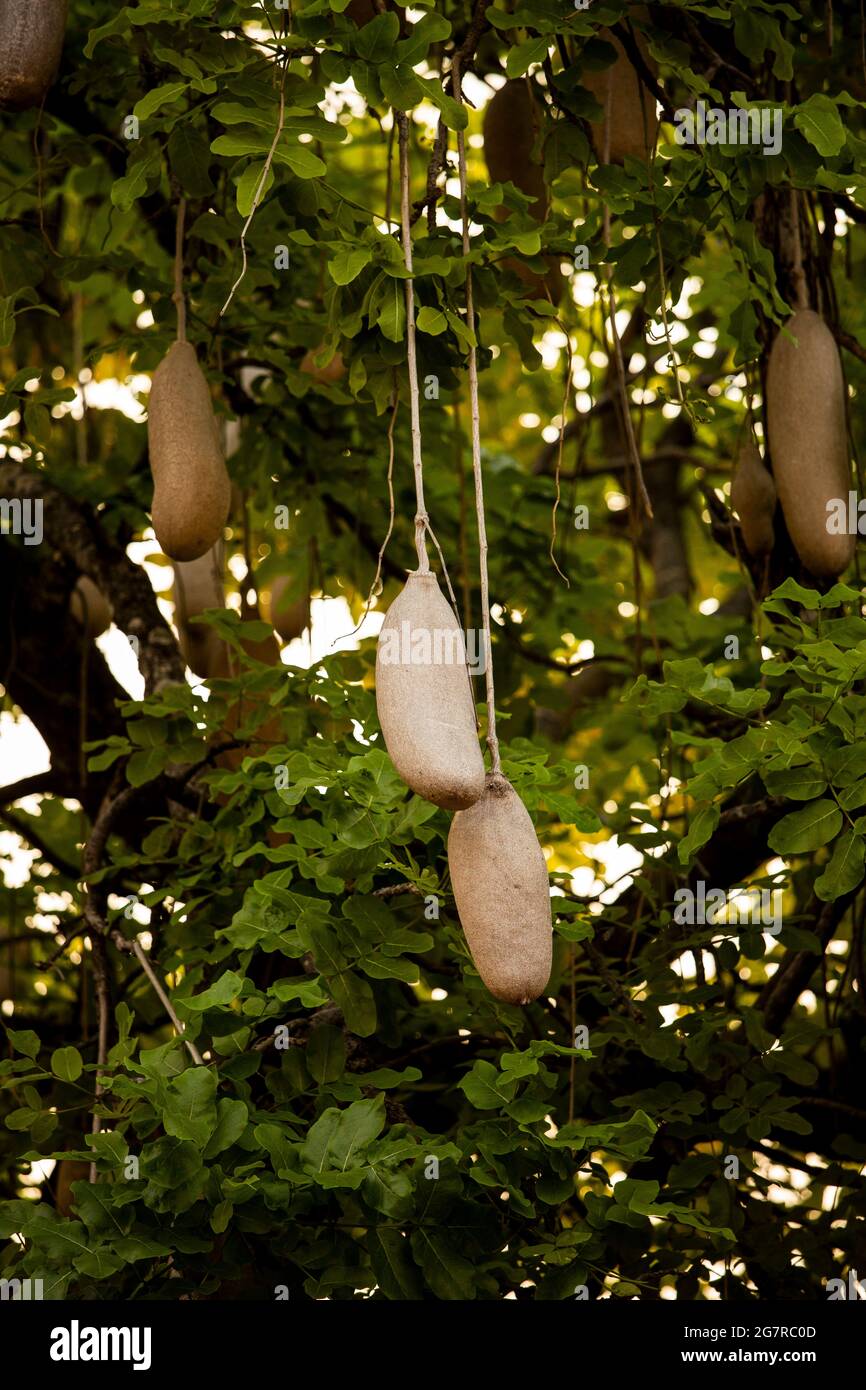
point(359, 1117)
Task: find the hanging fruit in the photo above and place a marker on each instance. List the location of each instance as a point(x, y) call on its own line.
point(808, 439)
point(511, 125)
point(198, 586)
point(192, 493)
point(753, 497)
point(89, 607)
point(424, 697)
point(502, 892)
point(31, 42)
point(630, 124)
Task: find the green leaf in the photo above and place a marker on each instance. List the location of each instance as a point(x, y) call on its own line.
point(448, 1274)
point(66, 1063)
point(391, 1258)
point(375, 42)
point(326, 1053)
point(846, 868)
point(400, 87)
point(24, 1040)
point(701, 830)
point(127, 190)
point(819, 120)
point(347, 264)
point(218, 995)
point(486, 1088)
point(190, 1110)
point(157, 97)
point(795, 783)
point(339, 1138)
point(431, 321)
point(250, 184)
point(523, 55)
point(802, 831)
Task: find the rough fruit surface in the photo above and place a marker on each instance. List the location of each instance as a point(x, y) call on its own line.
point(511, 125)
point(630, 123)
point(426, 707)
point(89, 607)
point(192, 493)
point(753, 495)
point(198, 586)
point(502, 891)
point(31, 42)
point(289, 617)
point(809, 439)
point(510, 129)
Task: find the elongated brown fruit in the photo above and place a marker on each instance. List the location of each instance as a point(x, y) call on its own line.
point(89, 607)
point(630, 124)
point(198, 586)
point(502, 891)
point(69, 1170)
point(360, 12)
point(424, 697)
point(510, 127)
point(288, 617)
point(809, 439)
point(270, 730)
point(325, 376)
point(31, 42)
point(753, 495)
point(192, 492)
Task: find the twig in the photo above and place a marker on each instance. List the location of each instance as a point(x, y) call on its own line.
point(178, 297)
point(801, 291)
point(422, 520)
point(39, 784)
point(166, 1002)
point(560, 446)
point(99, 957)
point(24, 830)
point(261, 185)
point(850, 344)
point(475, 413)
point(374, 587)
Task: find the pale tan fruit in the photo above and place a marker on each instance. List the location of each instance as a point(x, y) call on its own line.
point(753, 496)
point(424, 697)
point(69, 1170)
point(270, 730)
point(510, 128)
point(89, 607)
point(511, 123)
point(192, 492)
point(502, 891)
point(288, 617)
point(361, 12)
point(31, 42)
point(630, 124)
point(808, 439)
point(325, 376)
point(198, 586)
